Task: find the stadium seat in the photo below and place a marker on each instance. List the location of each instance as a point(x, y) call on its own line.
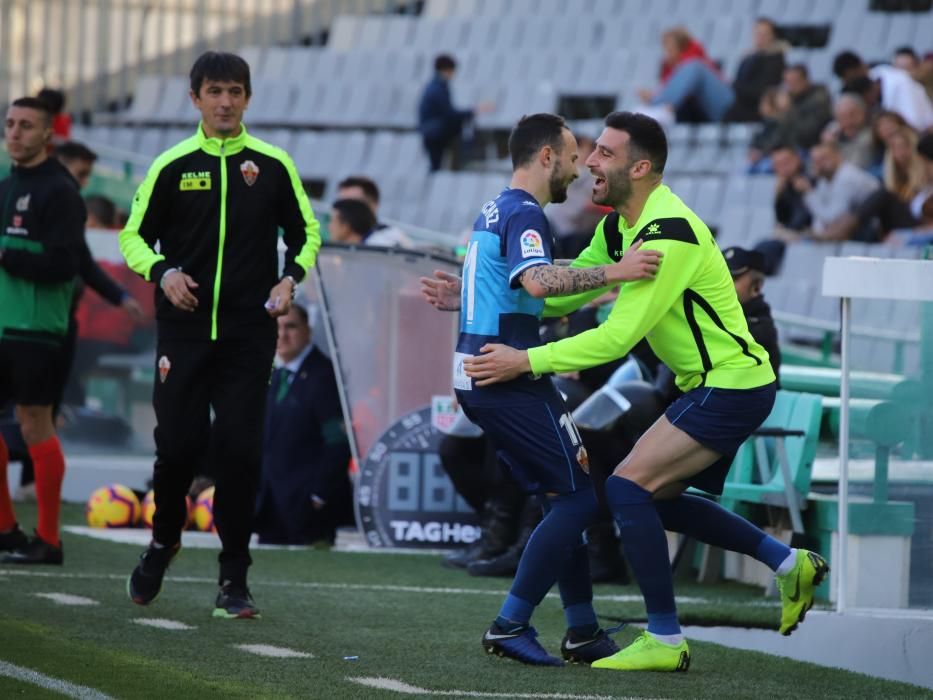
point(784, 464)
point(272, 101)
point(344, 32)
point(146, 99)
point(174, 106)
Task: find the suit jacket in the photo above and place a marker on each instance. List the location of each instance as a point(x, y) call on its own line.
point(305, 448)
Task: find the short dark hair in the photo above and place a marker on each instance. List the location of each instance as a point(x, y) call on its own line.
point(858, 86)
point(844, 62)
point(799, 68)
point(768, 21)
point(445, 62)
point(356, 214)
point(101, 208)
point(906, 51)
point(72, 150)
point(370, 188)
point(301, 311)
point(36, 104)
point(646, 137)
point(220, 66)
point(532, 133)
point(55, 99)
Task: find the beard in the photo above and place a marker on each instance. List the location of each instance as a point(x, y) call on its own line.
point(617, 191)
point(557, 186)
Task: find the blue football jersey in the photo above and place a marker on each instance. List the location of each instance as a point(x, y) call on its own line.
point(510, 235)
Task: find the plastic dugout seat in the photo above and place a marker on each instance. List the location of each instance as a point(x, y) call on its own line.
point(306, 153)
point(439, 8)
point(872, 36)
point(308, 99)
point(146, 99)
point(739, 133)
point(901, 32)
point(276, 66)
point(708, 200)
point(826, 11)
point(733, 227)
point(483, 32)
point(784, 448)
point(150, 142)
point(345, 32)
point(762, 189)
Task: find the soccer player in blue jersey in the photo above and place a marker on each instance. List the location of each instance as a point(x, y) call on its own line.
point(507, 273)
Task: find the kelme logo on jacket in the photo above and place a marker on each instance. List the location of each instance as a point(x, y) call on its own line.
point(199, 180)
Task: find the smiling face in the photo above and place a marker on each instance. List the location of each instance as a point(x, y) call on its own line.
point(221, 104)
point(611, 166)
point(563, 168)
point(27, 133)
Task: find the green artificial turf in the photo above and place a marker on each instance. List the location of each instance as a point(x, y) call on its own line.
point(400, 616)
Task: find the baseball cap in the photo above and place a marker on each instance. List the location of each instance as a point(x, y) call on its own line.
point(741, 260)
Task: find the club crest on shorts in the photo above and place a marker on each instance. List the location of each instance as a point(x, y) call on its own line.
point(164, 366)
point(583, 458)
point(250, 172)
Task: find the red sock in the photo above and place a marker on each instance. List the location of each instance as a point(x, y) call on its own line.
point(49, 464)
point(7, 516)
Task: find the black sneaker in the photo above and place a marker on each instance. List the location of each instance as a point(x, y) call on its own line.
point(13, 539)
point(145, 583)
point(234, 602)
point(582, 650)
point(36, 551)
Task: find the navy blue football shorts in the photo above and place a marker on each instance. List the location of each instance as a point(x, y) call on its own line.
point(720, 419)
point(534, 437)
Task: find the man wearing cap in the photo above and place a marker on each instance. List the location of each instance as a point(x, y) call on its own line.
point(747, 268)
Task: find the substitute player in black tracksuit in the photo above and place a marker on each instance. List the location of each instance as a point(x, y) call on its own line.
point(214, 204)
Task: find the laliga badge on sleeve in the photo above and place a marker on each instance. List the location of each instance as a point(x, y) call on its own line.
point(532, 245)
point(250, 172)
point(164, 366)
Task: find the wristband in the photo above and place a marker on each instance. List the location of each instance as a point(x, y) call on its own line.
point(294, 284)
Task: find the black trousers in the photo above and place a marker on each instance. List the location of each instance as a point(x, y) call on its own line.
point(230, 376)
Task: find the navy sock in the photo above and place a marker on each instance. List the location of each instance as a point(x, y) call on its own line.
point(646, 551)
point(576, 592)
point(709, 522)
point(548, 554)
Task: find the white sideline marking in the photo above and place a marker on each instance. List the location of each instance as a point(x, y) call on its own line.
point(55, 685)
point(67, 599)
point(273, 652)
point(382, 588)
point(402, 687)
point(161, 623)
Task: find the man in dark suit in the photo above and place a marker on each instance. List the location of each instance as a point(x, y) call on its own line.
point(305, 492)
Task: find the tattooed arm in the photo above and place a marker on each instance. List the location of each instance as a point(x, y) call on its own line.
point(553, 281)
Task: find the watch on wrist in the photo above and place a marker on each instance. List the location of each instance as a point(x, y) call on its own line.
point(294, 284)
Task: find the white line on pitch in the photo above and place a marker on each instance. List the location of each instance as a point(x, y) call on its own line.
point(272, 651)
point(621, 598)
point(402, 687)
point(161, 623)
point(67, 599)
point(55, 685)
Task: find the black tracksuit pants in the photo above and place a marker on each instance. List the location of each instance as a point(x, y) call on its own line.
point(230, 376)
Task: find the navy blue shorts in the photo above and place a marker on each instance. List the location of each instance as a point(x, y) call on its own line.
point(720, 419)
point(534, 437)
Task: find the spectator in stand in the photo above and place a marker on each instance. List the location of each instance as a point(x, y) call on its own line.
point(61, 120)
point(906, 59)
point(439, 122)
point(834, 199)
point(574, 220)
point(790, 208)
point(762, 68)
point(773, 132)
point(895, 87)
point(851, 132)
point(305, 491)
point(692, 89)
point(810, 106)
point(101, 212)
point(351, 222)
point(921, 206)
point(364, 189)
point(898, 205)
point(924, 74)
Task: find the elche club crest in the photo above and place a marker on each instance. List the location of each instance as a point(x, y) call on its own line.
point(164, 366)
point(250, 172)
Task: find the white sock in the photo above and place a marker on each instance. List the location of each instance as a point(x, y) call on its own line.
point(670, 639)
point(787, 564)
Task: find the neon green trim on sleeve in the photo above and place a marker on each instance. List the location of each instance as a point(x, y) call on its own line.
point(139, 255)
point(307, 255)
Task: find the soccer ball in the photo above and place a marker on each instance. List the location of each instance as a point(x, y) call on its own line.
point(204, 511)
point(148, 508)
point(113, 506)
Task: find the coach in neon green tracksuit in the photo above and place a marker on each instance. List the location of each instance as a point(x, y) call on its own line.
point(692, 319)
point(214, 204)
